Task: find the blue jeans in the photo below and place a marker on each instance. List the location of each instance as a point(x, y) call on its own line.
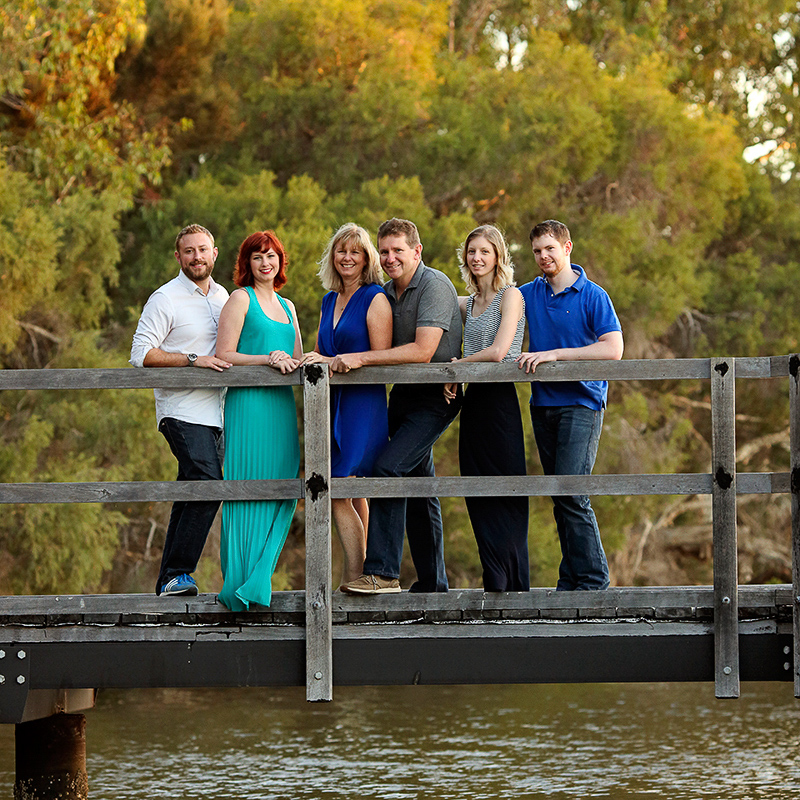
point(567, 438)
point(199, 451)
point(418, 416)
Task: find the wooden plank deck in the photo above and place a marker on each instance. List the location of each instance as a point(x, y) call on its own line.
point(23, 612)
point(465, 636)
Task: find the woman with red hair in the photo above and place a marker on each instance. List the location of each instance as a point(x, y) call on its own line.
point(257, 326)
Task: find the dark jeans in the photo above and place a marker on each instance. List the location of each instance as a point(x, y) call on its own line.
point(199, 451)
point(417, 418)
point(567, 438)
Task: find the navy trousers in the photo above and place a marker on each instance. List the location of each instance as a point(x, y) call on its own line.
point(417, 418)
point(199, 450)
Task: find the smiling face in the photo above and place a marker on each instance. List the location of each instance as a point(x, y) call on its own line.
point(349, 260)
point(481, 257)
point(552, 257)
point(398, 259)
point(264, 264)
point(196, 254)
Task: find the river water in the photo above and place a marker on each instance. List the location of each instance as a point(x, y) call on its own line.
point(673, 741)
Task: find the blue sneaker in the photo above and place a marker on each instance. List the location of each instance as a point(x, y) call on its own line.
point(182, 584)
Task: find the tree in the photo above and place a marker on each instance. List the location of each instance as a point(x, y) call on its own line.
point(63, 125)
point(181, 63)
point(71, 162)
point(335, 89)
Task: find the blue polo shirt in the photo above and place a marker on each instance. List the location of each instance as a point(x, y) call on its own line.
point(578, 316)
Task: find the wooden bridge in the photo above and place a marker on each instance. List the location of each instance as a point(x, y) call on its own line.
point(54, 651)
point(59, 645)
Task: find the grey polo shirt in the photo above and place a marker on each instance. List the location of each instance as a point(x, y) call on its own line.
point(429, 301)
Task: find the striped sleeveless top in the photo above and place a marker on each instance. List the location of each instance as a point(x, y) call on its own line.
point(479, 332)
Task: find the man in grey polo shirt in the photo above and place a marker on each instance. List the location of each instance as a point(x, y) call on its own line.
point(427, 328)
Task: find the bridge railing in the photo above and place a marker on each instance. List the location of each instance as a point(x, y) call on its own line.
point(722, 481)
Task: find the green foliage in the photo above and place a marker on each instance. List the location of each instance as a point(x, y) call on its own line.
point(88, 254)
point(334, 88)
point(57, 262)
point(73, 437)
point(737, 57)
point(65, 128)
point(178, 63)
point(28, 240)
point(72, 160)
point(505, 143)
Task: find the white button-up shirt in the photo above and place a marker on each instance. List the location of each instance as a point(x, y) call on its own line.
point(179, 318)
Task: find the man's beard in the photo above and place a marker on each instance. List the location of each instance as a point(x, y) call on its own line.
point(191, 270)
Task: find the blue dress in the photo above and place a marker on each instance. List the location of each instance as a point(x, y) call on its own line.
point(261, 442)
point(359, 423)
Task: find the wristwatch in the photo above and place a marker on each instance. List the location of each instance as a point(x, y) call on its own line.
point(192, 358)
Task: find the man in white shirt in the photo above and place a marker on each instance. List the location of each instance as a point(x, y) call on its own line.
point(178, 328)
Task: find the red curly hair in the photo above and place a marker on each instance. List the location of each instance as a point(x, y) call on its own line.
point(259, 242)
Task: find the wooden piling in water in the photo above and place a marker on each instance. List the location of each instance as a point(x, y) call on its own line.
point(51, 759)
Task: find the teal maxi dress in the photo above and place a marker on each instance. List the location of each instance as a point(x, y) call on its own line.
point(261, 442)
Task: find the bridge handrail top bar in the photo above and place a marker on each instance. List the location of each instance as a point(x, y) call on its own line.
point(182, 378)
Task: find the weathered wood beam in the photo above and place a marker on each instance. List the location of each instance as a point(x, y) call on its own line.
point(166, 378)
point(440, 486)
point(52, 615)
point(794, 456)
point(177, 378)
point(723, 466)
point(658, 369)
point(150, 491)
point(319, 653)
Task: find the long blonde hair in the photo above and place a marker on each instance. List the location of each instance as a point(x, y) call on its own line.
point(504, 269)
point(347, 234)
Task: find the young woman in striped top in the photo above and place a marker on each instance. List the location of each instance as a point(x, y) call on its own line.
point(491, 440)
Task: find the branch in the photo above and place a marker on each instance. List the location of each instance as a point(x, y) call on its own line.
point(31, 328)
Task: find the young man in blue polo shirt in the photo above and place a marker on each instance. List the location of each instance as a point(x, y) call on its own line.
point(569, 319)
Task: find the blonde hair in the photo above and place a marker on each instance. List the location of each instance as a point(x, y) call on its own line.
point(349, 233)
point(504, 268)
point(190, 229)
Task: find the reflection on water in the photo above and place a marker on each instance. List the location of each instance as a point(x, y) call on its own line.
point(615, 741)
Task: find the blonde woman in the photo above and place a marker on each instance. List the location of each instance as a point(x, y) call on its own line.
point(356, 316)
point(490, 436)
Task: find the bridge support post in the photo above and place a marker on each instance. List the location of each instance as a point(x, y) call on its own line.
point(317, 425)
point(794, 487)
point(51, 759)
point(723, 503)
